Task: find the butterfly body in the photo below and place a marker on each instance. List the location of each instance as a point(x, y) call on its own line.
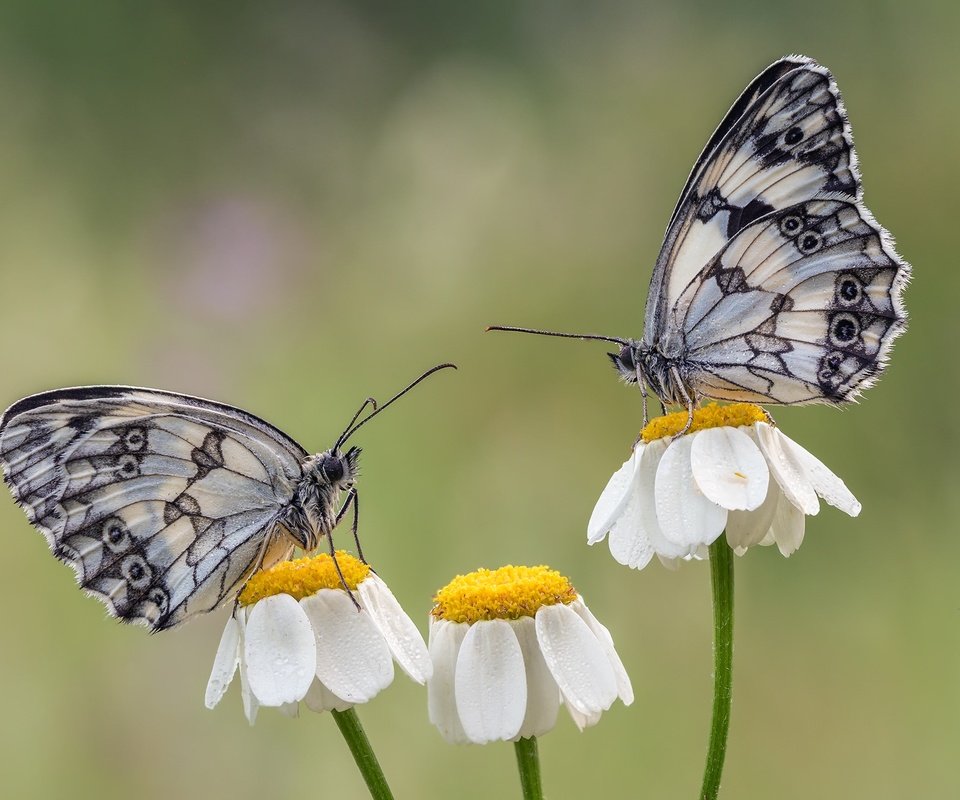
point(313, 509)
point(774, 283)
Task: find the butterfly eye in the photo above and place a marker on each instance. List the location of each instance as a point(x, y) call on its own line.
point(791, 225)
point(809, 242)
point(332, 467)
point(794, 135)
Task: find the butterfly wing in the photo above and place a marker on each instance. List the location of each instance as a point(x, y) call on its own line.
point(801, 306)
point(785, 140)
point(162, 503)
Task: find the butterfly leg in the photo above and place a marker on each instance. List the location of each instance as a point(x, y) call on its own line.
point(336, 564)
point(687, 400)
point(353, 497)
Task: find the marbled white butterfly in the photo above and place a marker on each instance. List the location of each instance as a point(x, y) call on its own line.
point(165, 504)
point(774, 283)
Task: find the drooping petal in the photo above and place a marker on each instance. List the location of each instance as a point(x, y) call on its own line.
point(576, 659)
point(628, 541)
point(613, 498)
point(543, 694)
point(290, 710)
point(826, 484)
point(787, 471)
point(729, 468)
point(787, 527)
point(686, 516)
point(352, 658)
point(747, 528)
point(444, 646)
point(490, 683)
point(250, 704)
point(624, 687)
point(279, 649)
point(225, 663)
point(582, 720)
point(402, 637)
point(319, 698)
point(644, 492)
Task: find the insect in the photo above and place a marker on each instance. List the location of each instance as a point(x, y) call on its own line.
point(166, 504)
point(774, 283)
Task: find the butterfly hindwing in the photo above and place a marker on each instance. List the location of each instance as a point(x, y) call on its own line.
point(787, 139)
point(160, 502)
point(801, 306)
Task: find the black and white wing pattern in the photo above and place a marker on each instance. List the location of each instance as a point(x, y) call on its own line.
point(775, 284)
point(162, 503)
point(785, 140)
point(801, 306)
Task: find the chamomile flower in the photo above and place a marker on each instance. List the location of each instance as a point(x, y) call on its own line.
point(297, 635)
point(508, 647)
point(733, 470)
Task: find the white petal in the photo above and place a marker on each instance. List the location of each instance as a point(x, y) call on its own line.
point(789, 473)
point(729, 468)
point(291, 710)
point(787, 527)
point(747, 528)
point(645, 492)
point(576, 659)
point(543, 694)
point(628, 541)
point(624, 687)
point(225, 663)
point(250, 704)
point(672, 564)
point(685, 515)
point(826, 484)
point(584, 720)
point(353, 660)
point(444, 646)
point(279, 650)
point(613, 498)
point(402, 637)
point(319, 698)
point(490, 683)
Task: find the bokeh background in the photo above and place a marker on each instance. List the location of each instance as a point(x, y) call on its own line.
point(290, 206)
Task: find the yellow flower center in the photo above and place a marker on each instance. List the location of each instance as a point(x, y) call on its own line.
point(711, 416)
point(506, 593)
point(303, 577)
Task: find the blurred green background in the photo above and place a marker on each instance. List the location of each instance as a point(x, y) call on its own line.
point(290, 206)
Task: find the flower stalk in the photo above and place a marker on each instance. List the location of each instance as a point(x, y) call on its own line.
point(356, 738)
point(721, 574)
point(528, 763)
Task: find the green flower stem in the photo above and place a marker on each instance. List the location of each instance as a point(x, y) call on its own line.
point(528, 762)
point(721, 574)
point(349, 725)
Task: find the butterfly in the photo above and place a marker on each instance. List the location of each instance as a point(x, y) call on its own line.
point(165, 504)
point(774, 283)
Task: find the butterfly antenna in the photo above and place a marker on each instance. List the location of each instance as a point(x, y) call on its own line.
point(584, 336)
point(343, 436)
point(352, 429)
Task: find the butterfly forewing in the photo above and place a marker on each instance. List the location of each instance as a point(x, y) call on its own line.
point(162, 503)
point(800, 306)
point(786, 140)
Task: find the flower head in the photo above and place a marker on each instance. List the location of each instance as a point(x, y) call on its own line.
point(733, 470)
point(508, 646)
point(296, 634)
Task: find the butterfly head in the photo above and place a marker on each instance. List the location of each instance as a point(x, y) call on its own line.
point(338, 469)
point(629, 361)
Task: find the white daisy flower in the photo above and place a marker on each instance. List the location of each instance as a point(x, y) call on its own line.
point(734, 470)
point(297, 635)
point(508, 647)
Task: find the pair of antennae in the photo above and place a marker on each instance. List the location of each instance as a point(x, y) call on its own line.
point(584, 336)
point(353, 428)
